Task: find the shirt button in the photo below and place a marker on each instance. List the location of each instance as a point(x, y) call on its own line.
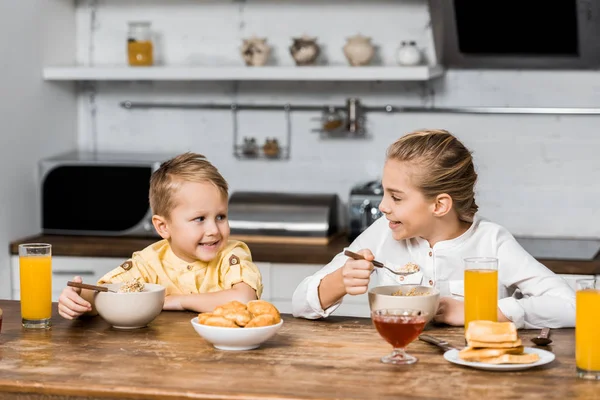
point(430, 282)
point(189, 267)
point(430, 253)
point(401, 278)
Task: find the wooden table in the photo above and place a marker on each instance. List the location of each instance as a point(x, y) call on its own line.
point(337, 358)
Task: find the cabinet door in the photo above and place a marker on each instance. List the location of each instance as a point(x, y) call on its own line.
point(572, 278)
point(65, 268)
point(286, 277)
point(265, 271)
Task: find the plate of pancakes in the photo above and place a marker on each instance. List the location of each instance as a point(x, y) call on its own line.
point(496, 346)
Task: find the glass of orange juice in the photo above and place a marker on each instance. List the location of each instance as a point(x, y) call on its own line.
point(481, 289)
point(35, 270)
point(587, 328)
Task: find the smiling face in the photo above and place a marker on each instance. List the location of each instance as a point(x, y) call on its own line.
point(409, 213)
point(197, 227)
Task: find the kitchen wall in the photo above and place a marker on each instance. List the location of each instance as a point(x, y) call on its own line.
point(537, 173)
point(38, 118)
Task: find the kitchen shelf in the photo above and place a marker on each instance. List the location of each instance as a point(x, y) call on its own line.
point(307, 73)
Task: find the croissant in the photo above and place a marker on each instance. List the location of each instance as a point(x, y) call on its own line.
point(235, 314)
point(260, 307)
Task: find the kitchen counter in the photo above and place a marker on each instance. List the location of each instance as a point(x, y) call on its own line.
point(337, 358)
point(123, 247)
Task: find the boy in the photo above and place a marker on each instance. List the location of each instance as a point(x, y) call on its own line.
point(196, 262)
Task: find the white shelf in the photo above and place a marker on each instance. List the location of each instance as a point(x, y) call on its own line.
point(125, 73)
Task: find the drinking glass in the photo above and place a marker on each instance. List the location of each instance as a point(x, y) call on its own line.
point(399, 327)
point(481, 289)
point(35, 270)
point(587, 328)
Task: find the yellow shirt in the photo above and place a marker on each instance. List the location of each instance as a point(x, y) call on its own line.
point(158, 264)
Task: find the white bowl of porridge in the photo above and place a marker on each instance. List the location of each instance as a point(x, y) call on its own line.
point(130, 310)
point(415, 297)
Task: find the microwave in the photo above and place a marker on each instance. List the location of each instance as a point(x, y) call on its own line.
point(517, 34)
point(105, 194)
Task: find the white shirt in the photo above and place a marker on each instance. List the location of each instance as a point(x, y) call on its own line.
point(529, 294)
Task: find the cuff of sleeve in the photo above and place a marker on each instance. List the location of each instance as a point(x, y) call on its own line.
point(313, 298)
point(513, 311)
point(245, 275)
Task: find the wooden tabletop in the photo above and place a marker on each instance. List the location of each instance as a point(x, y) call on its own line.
point(123, 247)
point(337, 358)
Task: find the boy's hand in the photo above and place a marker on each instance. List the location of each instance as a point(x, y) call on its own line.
point(173, 303)
point(451, 312)
point(357, 273)
point(70, 304)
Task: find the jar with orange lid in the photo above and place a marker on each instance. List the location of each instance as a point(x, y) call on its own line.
point(139, 44)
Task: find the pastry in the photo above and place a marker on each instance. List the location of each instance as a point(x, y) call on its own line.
point(498, 345)
point(203, 316)
point(217, 320)
point(489, 331)
point(477, 355)
point(514, 359)
point(232, 305)
point(260, 307)
point(261, 320)
point(240, 317)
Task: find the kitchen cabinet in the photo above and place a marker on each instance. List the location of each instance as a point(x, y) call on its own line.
point(279, 280)
point(64, 269)
point(91, 269)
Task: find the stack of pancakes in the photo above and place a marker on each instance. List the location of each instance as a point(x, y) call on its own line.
point(495, 343)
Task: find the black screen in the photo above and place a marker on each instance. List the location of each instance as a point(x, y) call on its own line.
point(513, 28)
point(95, 198)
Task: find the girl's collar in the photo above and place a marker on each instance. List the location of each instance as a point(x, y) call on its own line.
point(444, 244)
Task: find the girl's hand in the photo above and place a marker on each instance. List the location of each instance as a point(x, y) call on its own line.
point(451, 312)
point(357, 273)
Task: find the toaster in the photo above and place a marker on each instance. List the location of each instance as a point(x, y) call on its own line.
point(363, 207)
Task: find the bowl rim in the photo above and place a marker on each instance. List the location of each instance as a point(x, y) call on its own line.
point(436, 291)
point(194, 322)
point(155, 288)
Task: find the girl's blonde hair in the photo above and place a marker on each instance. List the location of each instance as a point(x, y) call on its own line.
point(186, 167)
point(444, 165)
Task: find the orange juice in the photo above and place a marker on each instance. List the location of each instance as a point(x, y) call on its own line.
point(587, 329)
point(36, 287)
point(481, 295)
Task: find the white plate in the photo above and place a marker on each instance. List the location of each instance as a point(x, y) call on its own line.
point(545, 358)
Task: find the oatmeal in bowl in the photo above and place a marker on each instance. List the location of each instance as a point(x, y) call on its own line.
point(130, 305)
point(415, 297)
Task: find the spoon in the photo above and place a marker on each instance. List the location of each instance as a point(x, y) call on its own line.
point(375, 263)
point(543, 339)
point(90, 287)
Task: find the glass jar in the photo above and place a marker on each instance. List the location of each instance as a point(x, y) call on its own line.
point(332, 119)
point(139, 44)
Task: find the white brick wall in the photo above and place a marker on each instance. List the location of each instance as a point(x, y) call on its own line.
point(538, 174)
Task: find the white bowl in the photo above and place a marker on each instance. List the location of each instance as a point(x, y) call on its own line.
point(130, 310)
point(235, 338)
point(380, 297)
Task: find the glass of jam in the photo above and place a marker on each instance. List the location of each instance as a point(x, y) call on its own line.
point(399, 327)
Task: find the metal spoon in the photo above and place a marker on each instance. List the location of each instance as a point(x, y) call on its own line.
point(375, 263)
point(543, 339)
point(90, 287)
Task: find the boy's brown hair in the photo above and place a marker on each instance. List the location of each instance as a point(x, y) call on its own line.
point(186, 167)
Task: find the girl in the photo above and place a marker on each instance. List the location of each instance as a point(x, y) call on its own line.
point(430, 220)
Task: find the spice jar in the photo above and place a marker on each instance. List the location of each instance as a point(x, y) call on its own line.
point(332, 120)
point(271, 148)
point(139, 44)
